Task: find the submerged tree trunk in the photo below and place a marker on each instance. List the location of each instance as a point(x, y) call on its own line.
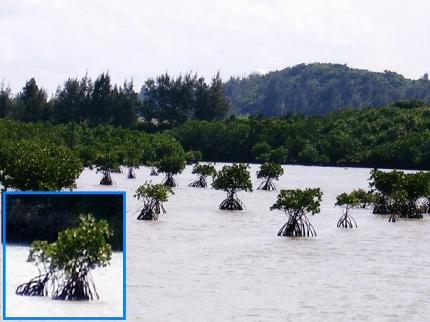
point(106, 180)
point(200, 183)
point(154, 172)
point(346, 221)
point(169, 181)
point(151, 211)
point(297, 226)
point(267, 185)
point(77, 288)
point(131, 174)
point(231, 202)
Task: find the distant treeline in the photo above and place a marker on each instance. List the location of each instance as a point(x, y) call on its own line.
point(41, 217)
point(397, 136)
point(316, 89)
point(164, 101)
point(393, 137)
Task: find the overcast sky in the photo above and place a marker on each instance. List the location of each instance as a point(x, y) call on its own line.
point(54, 39)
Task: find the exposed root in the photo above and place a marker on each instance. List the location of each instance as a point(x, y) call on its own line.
point(346, 221)
point(169, 181)
point(154, 172)
point(297, 226)
point(35, 287)
point(267, 185)
point(200, 183)
point(106, 180)
point(381, 208)
point(392, 218)
point(151, 211)
point(231, 203)
point(131, 174)
point(77, 288)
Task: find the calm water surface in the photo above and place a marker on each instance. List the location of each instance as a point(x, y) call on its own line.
point(201, 264)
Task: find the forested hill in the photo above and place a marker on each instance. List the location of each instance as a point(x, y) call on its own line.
point(318, 88)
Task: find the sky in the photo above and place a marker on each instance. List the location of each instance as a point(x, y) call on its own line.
point(52, 40)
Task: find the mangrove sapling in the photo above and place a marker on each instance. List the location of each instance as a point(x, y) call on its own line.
point(384, 183)
point(171, 165)
point(153, 196)
point(131, 160)
point(106, 163)
point(232, 179)
point(296, 204)
point(70, 259)
point(203, 171)
point(269, 171)
point(347, 201)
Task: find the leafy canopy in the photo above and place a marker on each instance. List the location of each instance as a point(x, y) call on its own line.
point(37, 165)
point(233, 178)
point(204, 170)
point(156, 192)
point(77, 249)
point(270, 170)
point(298, 201)
point(348, 200)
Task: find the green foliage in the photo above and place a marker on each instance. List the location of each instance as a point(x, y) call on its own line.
point(172, 164)
point(37, 165)
point(77, 249)
point(383, 137)
point(347, 200)
point(233, 178)
point(270, 170)
point(204, 170)
point(399, 192)
point(298, 201)
point(172, 101)
point(193, 157)
point(108, 161)
point(153, 192)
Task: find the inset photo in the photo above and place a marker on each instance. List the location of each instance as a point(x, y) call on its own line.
point(63, 255)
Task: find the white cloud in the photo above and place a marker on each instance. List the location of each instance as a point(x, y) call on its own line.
point(52, 39)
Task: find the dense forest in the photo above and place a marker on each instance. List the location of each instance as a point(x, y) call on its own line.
point(316, 89)
point(167, 101)
point(397, 136)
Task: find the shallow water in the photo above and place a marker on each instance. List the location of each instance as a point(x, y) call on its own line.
point(108, 282)
point(198, 263)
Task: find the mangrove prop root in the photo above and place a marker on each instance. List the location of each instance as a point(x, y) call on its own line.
point(266, 185)
point(297, 226)
point(169, 181)
point(131, 174)
point(346, 221)
point(231, 203)
point(392, 218)
point(154, 172)
point(151, 211)
point(77, 288)
point(35, 287)
point(106, 180)
point(200, 183)
point(381, 208)
point(147, 213)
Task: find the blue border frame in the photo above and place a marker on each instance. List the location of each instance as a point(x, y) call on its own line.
point(124, 249)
